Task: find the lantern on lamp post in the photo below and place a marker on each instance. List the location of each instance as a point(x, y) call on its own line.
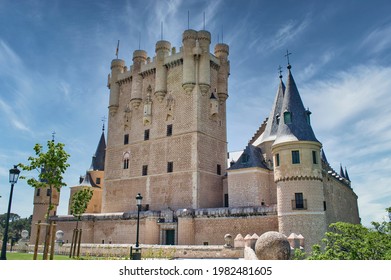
point(13, 179)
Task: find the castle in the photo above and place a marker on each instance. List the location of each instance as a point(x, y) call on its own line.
point(167, 140)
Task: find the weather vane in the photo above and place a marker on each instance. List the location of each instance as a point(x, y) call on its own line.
point(53, 135)
point(280, 71)
point(103, 122)
point(287, 57)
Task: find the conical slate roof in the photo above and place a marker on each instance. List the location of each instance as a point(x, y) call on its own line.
point(98, 160)
point(251, 157)
point(275, 115)
point(298, 128)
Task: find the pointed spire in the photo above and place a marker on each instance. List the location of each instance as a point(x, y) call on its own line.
point(341, 173)
point(98, 160)
point(275, 115)
point(294, 124)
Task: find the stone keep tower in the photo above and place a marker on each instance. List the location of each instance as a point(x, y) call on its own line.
point(167, 127)
point(41, 204)
point(297, 170)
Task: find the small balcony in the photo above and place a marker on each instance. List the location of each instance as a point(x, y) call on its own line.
point(299, 204)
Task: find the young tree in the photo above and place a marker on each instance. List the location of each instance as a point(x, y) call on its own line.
point(50, 165)
point(355, 242)
point(79, 204)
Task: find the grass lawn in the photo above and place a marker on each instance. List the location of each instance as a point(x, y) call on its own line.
point(27, 256)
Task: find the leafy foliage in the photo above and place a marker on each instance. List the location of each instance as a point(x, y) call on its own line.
point(355, 242)
point(16, 225)
point(80, 200)
point(51, 165)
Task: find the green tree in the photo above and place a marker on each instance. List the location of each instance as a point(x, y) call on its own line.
point(50, 165)
point(347, 241)
point(79, 204)
point(80, 200)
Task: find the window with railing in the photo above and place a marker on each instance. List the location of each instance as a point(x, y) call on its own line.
point(299, 203)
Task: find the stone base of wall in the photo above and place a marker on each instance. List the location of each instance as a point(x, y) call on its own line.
point(122, 251)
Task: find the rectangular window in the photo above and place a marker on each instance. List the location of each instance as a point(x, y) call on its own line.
point(98, 181)
point(295, 157)
point(145, 170)
point(146, 134)
point(299, 203)
point(38, 191)
point(169, 130)
point(314, 157)
point(126, 139)
point(226, 201)
point(277, 159)
point(218, 169)
point(324, 206)
point(170, 166)
point(48, 192)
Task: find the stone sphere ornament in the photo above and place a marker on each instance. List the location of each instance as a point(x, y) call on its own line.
point(272, 245)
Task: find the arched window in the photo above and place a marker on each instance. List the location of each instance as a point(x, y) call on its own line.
point(125, 160)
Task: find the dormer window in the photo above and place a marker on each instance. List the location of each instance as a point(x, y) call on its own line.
point(278, 119)
point(287, 117)
point(245, 158)
point(307, 114)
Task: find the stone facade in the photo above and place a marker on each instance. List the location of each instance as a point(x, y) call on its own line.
point(167, 140)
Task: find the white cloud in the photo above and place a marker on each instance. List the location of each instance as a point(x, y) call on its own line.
point(350, 117)
point(378, 40)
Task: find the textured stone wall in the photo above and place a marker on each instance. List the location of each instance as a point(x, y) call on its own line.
point(195, 148)
point(341, 202)
point(251, 187)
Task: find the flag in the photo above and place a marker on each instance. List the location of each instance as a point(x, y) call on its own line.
point(116, 52)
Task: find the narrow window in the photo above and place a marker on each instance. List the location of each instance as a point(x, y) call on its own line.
point(287, 117)
point(146, 134)
point(314, 157)
point(98, 181)
point(277, 159)
point(226, 201)
point(295, 157)
point(48, 192)
point(169, 130)
point(324, 206)
point(170, 166)
point(218, 169)
point(126, 163)
point(126, 139)
point(145, 170)
point(38, 191)
point(299, 201)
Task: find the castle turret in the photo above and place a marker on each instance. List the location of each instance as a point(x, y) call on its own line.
point(117, 67)
point(189, 38)
point(298, 170)
point(204, 66)
point(162, 50)
point(221, 52)
point(139, 58)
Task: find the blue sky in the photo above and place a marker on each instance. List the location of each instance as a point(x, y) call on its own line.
point(55, 57)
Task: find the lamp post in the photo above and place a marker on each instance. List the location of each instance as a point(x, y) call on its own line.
point(13, 179)
point(137, 254)
point(139, 199)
